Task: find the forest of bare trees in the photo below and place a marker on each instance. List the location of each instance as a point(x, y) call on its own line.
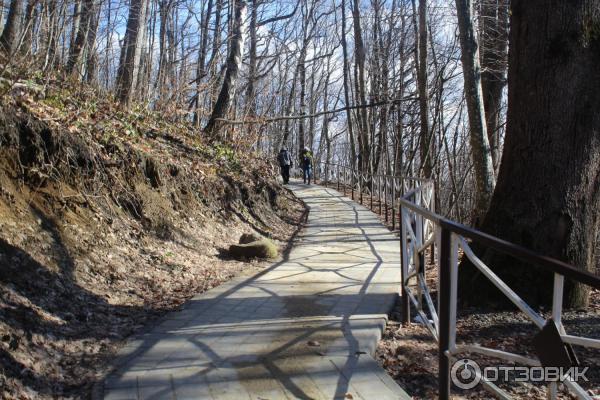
point(376, 84)
point(399, 87)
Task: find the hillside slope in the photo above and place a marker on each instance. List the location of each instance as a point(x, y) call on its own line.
point(107, 220)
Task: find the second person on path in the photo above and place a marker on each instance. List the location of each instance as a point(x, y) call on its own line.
point(306, 160)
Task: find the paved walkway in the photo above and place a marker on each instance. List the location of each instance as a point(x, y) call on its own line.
point(305, 328)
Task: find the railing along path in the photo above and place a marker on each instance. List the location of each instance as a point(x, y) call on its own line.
point(412, 201)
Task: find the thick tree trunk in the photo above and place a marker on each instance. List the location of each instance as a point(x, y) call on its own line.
point(12, 30)
point(548, 193)
point(234, 62)
point(480, 147)
point(129, 62)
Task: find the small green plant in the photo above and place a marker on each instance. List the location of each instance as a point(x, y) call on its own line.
point(54, 101)
point(227, 153)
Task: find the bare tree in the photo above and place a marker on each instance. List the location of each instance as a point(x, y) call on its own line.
point(480, 147)
point(347, 87)
point(361, 91)
point(494, 55)
point(422, 78)
point(12, 30)
point(234, 61)
point(548, 196)
point(129, 63)
point(84, 28)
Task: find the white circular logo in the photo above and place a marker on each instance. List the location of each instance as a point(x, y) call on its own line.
point(465, 374)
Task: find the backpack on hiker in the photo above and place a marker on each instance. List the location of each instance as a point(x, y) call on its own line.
point(284, 158)
point(285, 163)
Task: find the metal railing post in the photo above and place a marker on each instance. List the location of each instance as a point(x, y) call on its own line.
point(360, 186)
point(352, 182)
point(444, 314)
point(338, 176)
point(432, 209)
point(379, 192)
point(393, 203)
point(404, 270)
point(371, 190)
point(385, 196)
point(419, 256)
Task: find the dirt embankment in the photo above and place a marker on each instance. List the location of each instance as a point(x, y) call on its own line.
point(107, 220)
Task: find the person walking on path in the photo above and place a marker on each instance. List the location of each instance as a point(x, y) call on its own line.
point(285, 163)
point(306, 160)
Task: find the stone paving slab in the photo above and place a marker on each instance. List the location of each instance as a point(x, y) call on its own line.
point(305, 328)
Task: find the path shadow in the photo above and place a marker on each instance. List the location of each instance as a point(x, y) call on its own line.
point(230, 335)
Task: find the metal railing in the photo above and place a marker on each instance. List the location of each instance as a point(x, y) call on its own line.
point(385, 189)
point(421, 228)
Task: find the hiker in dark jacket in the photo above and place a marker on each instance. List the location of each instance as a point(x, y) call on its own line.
point(285, 163)
point(306, 160)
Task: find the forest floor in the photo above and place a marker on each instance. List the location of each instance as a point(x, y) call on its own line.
point(109, 219)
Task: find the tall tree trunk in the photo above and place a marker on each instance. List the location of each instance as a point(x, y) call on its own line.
point(326, 118)
point(12, 30)
point(77, 11)
point(478, 139)
point(494, 54)
point(302, 106)
point(288, 110)
point(216, 44)
point(140, 87)
point(422, 85)
point(28, 27)
point(51, 34)
point(399, 149)
point(77, 46)
point(91, 70)
point(252, 61)
point(164, 10)
point(360, 56)
point(548, 193)
point(346, 73)
point(202, 52)
point(234, 62)
point(131, 51)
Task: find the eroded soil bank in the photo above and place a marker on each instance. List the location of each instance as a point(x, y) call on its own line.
point(107, 221)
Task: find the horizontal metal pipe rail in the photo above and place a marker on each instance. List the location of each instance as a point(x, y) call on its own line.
point(421, 228)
